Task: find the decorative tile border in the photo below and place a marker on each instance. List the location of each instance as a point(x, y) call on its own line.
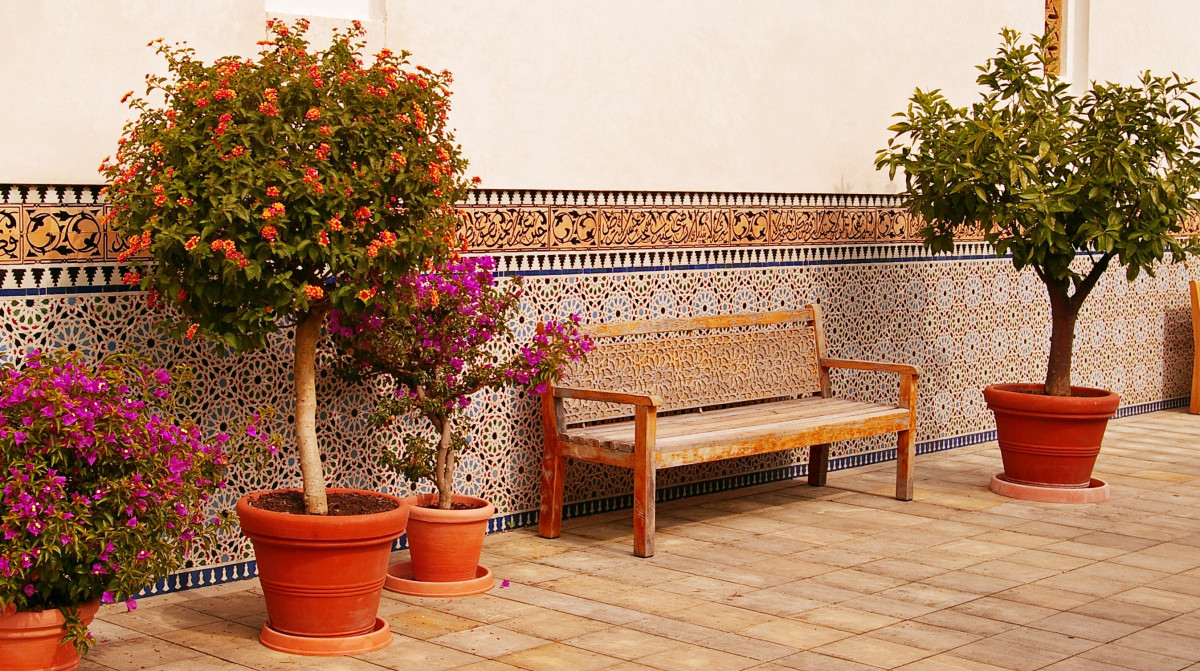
point(1054, 26)
point(64, 224)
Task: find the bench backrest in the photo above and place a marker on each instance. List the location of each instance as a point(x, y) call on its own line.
point(700, 362)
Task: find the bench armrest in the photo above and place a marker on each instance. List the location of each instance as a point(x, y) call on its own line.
point(648, 400)
point(902, 368)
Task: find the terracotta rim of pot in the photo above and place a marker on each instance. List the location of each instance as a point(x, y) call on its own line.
point(418, 511)
point(37, 618)
point(281, 526)
point(1024, 398)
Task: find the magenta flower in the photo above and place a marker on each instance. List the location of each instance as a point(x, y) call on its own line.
point(88, 436)
point(454, 336)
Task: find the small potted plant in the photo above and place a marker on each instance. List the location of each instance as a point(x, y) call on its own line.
point(103, 490)
point(452, 338)
point(262, 194)
point(1067, 186)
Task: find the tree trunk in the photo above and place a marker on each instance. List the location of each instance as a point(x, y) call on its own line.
point(308, 332)
point(445, 467)
point(1063, 313)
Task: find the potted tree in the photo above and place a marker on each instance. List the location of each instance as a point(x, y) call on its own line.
point(452, 338)
point(1067, 186)
point(103, 490)
point(264, 193)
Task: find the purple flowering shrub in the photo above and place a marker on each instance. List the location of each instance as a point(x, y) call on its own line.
point(451, 339)
point(103, 490)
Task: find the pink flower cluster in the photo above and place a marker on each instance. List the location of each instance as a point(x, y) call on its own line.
point(446, 341)
point(102, 491)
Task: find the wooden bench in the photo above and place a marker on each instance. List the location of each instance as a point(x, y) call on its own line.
point(669, 392)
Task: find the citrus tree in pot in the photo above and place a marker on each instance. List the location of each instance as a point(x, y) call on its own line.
point(104, 489)
point(1068, 186)
point(264, 193)
point(452, 338)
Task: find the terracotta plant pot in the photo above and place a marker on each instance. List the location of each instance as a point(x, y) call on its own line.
point(1050, 441)
point(31, 641)
point(445, 544)
point(322, 576)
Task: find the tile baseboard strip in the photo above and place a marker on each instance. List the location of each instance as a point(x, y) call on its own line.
point(224, 573)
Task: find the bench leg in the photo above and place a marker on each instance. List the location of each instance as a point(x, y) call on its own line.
point(554, 474)
point(818, 464)
point(1194, 405)
point(550, 515)
point(643, 484)
point(906, 453)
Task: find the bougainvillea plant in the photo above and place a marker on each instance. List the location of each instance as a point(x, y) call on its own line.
point(454, 338)
point(102, 490)
point(263, 193)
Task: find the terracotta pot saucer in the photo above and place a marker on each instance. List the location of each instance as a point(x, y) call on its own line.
point(400, 580)
point(328, 646)
point(1096, 491)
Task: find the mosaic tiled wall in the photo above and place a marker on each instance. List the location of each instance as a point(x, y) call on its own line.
point(967, 319)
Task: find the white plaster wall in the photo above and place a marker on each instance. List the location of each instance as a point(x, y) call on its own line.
point(729, 95)
point(65, 64)
point(1127, 38)
point(761, 95)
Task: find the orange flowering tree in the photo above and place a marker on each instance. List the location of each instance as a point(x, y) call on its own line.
point(259, 194)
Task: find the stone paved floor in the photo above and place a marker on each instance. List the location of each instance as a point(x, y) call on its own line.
point(784, 576)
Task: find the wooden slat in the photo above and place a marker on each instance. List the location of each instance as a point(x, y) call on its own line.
point(606, 396)
point(846, 418)
point(815, 435)
point(676, 425)
point(698, 430)
point(697, 323)
point(871, 365)
point(596, 454)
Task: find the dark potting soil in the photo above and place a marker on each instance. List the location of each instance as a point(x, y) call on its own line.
point(340, 504)
point(457, 505)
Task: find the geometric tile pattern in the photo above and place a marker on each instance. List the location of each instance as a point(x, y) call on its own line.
point(968, 320)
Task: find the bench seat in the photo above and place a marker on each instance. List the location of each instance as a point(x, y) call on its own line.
point(696, 437)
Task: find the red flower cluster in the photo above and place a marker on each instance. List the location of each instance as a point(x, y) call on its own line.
point(230, 250)
point(273, 210)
